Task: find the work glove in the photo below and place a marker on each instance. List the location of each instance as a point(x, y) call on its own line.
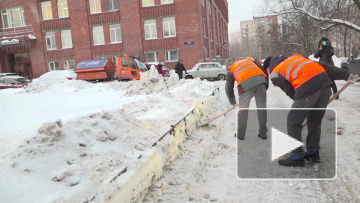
point(351, 78)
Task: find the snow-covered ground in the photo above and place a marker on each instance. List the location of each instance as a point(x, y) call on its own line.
point(62, 139)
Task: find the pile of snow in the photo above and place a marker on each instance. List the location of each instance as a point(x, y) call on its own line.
point(59, 74)
point(70, 160)
point(152, 82)
point(337, 61)
point(42, 85)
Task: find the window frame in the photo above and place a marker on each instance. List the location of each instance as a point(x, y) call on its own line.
point(94, 2)
point(156, 56)
point(168, 52)
point(117, 28)
point(148, 5)
point(51, 42)
point(204, 22)
point(66, 64)
point(53, 62)
point(167, 2)
point(113, 5)
point(169, 27)
point(42, 11)
point(62, 4)
point(103, 37)
point(9, 19)
point(62, 35)
point(150, 25)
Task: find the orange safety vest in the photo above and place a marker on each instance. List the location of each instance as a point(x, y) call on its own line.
point(297, 70)
point(245, 69)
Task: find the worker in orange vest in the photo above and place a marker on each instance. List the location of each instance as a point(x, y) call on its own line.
point(308, 84)
point(251, 80)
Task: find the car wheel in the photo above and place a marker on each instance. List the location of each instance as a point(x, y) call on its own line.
point(189, 77)
point(222, 77)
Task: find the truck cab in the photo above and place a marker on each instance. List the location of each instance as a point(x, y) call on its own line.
point(129, 68)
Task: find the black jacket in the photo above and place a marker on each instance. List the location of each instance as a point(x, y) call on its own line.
point(326, 54)
point(311, 86)
point(179, 68)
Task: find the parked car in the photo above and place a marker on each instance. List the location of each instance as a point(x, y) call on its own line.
point(166, 72)
point(13, 81)
point(59, 75)
point(352, 64)
point(210, 70)
point(7, 74)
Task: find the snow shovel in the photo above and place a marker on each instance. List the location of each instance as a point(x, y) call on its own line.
point(199, 124)
point(337, 93)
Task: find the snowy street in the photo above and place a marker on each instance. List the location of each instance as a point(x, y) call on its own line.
point(61, 142)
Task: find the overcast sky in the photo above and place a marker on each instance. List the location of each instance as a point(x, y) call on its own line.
point(240, 10)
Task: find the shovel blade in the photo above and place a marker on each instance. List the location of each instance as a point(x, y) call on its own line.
point(202, 124)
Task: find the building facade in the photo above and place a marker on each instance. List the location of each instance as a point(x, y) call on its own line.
point(40, 36)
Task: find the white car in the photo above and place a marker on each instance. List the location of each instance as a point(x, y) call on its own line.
point(210, 70)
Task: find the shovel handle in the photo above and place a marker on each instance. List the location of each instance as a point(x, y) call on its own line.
point(337, 93)
point(225, 112)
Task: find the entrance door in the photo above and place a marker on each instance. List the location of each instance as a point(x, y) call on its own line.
point(20, 63)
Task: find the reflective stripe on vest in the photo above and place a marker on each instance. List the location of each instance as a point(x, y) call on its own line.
point(291, 67)
point(244, 69)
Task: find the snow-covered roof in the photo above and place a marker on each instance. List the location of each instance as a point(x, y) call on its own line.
point(13, 77)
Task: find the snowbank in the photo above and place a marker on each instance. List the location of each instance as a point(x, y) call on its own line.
point(337, 61)
point(43, 85)
point(59, 74)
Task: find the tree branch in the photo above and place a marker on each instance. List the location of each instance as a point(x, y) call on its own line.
point(327, 20)
point(289, 43)
point(328, 27)
point(357, 3)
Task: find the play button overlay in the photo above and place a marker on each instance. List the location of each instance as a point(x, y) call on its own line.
point(257, 158)
point(281, 144)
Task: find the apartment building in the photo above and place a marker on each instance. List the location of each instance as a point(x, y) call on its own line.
point(249, 28)
point(37, 36)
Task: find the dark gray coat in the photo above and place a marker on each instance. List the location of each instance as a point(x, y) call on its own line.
point(326, 54)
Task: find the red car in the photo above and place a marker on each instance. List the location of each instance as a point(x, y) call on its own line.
point(13, 81)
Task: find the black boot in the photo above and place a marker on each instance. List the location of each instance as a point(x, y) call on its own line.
point(264, 138)
point(294, 163)
point(314, 157)
point(239, 137)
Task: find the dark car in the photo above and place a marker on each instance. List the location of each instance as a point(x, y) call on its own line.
point(13, 82)
point(352, 64)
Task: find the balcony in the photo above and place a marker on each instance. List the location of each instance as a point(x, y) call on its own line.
point(103, 18)
point(157, 11)
point(16, 30)
point(56, 24)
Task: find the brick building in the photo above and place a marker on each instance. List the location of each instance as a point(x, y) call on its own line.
point(38, 36)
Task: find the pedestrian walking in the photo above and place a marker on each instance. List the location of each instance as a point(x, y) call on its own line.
point(325, 53)
point(308, 84)
point(252, 81)
point(147, 66)
point(179, 69)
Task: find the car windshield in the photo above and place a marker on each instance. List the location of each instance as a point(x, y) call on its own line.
point(22, 80)
point(140, 65)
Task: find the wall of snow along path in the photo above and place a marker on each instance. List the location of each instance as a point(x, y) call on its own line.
point(133, 184)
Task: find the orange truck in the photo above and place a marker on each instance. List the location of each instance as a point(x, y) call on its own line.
point(127, 68)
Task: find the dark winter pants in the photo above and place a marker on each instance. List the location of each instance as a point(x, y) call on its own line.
point(259, 92)
point(333, 86)
point(296, 118)
point(180, 75)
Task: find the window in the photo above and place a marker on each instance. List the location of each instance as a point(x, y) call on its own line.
point(98, 35)
point(211, 33)
point(213, 54)
point(148, 2)
point(115, 33)
point(204, 22)
point(95, 6)
point(66, 40)
point(205, 53)
point(53, 66)
point(150, 29)
point(132, 64)
point(171, 55)
point(112, 5)
point(13, 17)
point(63, 9)
point(46, 10)
point(167, 1)
point(169, 27)
point(69, 65)
point(357, 55)
point(50, 40)
point(152, 57)
point(124, 63)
